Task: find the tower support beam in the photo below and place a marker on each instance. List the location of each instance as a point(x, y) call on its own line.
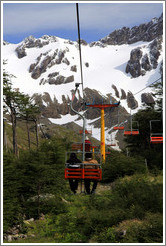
point(102, 147)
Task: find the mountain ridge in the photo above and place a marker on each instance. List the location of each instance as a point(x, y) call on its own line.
point(47, 68)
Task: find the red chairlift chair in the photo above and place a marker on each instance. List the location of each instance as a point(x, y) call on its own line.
point(155, 138)
point(83, 173)
point(132, 132)
point(118, 128)
point(87, 131)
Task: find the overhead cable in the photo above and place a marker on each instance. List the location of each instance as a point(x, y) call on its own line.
point(79, 42)
point(146, 87)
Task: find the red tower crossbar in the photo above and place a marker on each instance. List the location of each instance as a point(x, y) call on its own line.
point(101, 106)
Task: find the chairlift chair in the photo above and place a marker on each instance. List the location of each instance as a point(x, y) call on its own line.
point(132, 132)
point(155, 137)
point(87, 131)
point(118, 128)
point(112, 142)
point(79, 171)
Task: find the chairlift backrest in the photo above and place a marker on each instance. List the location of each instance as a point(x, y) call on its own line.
point(156, 135)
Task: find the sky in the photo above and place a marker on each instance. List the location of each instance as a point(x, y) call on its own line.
point(97, 19)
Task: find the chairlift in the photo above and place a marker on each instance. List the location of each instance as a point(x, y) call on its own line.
point(118, 127)
point(79, 146)
point(81, 172)
point(157, 136)
point(134, 128)
point(112, 142)
point(132, 131)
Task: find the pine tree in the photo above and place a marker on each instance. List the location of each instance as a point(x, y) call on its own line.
point(12, 100)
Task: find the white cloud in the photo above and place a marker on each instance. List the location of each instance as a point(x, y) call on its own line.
point(31, 17)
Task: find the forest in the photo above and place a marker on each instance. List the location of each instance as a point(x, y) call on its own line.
point(38, 205)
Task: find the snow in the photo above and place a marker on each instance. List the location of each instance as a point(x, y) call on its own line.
point(106, 67)
point(64, 119)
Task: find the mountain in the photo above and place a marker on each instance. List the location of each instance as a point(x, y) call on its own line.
point(115, 68)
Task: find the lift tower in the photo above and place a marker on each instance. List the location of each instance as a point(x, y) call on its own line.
point(102, 136)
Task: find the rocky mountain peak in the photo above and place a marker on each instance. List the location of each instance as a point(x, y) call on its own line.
point(144, 32)
point(143, 60)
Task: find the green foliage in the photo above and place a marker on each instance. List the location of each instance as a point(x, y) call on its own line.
point(11, 206)
point(30, 178)
point(149, 230)
point(134, 205)
point(119, 165)
point(107, 235)
point(139, 194)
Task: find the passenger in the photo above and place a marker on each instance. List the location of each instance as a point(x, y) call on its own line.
point(73, 163)
point(87, 182)
point(88, 144)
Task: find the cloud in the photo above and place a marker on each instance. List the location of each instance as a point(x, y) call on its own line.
point(30, 17)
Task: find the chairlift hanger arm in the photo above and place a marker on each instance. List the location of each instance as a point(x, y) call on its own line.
point(79, 42)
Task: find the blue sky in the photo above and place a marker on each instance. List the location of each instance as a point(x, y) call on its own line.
point(97, 20)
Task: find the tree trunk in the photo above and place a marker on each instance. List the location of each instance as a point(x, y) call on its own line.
point(13, 119)
point(37, 137)
point(28, 133)
point(4, 136)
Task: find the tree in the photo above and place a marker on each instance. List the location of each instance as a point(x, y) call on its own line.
point(29, 112)
point(12, 100)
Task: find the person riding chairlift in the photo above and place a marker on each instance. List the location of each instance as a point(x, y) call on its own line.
point(73, 163)
point(87, 182)
point(88, 144)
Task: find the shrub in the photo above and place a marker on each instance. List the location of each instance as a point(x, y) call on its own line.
point(119, 165)
point(149, 230)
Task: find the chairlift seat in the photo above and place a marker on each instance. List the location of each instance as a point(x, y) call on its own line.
point(133, 133)
point(127, 133)
point(118, 128)
point(156, 140)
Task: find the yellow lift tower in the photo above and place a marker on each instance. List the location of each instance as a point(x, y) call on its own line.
point(102, 137)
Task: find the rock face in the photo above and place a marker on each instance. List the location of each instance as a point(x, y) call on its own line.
point(143, 32)
point(131, 101)
point(74, 68)
point(5, 43)
point(123, 94)
point(52, 109)
point(147, 98)
point(32, 42)
point(116, 90)
point(142, 61)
